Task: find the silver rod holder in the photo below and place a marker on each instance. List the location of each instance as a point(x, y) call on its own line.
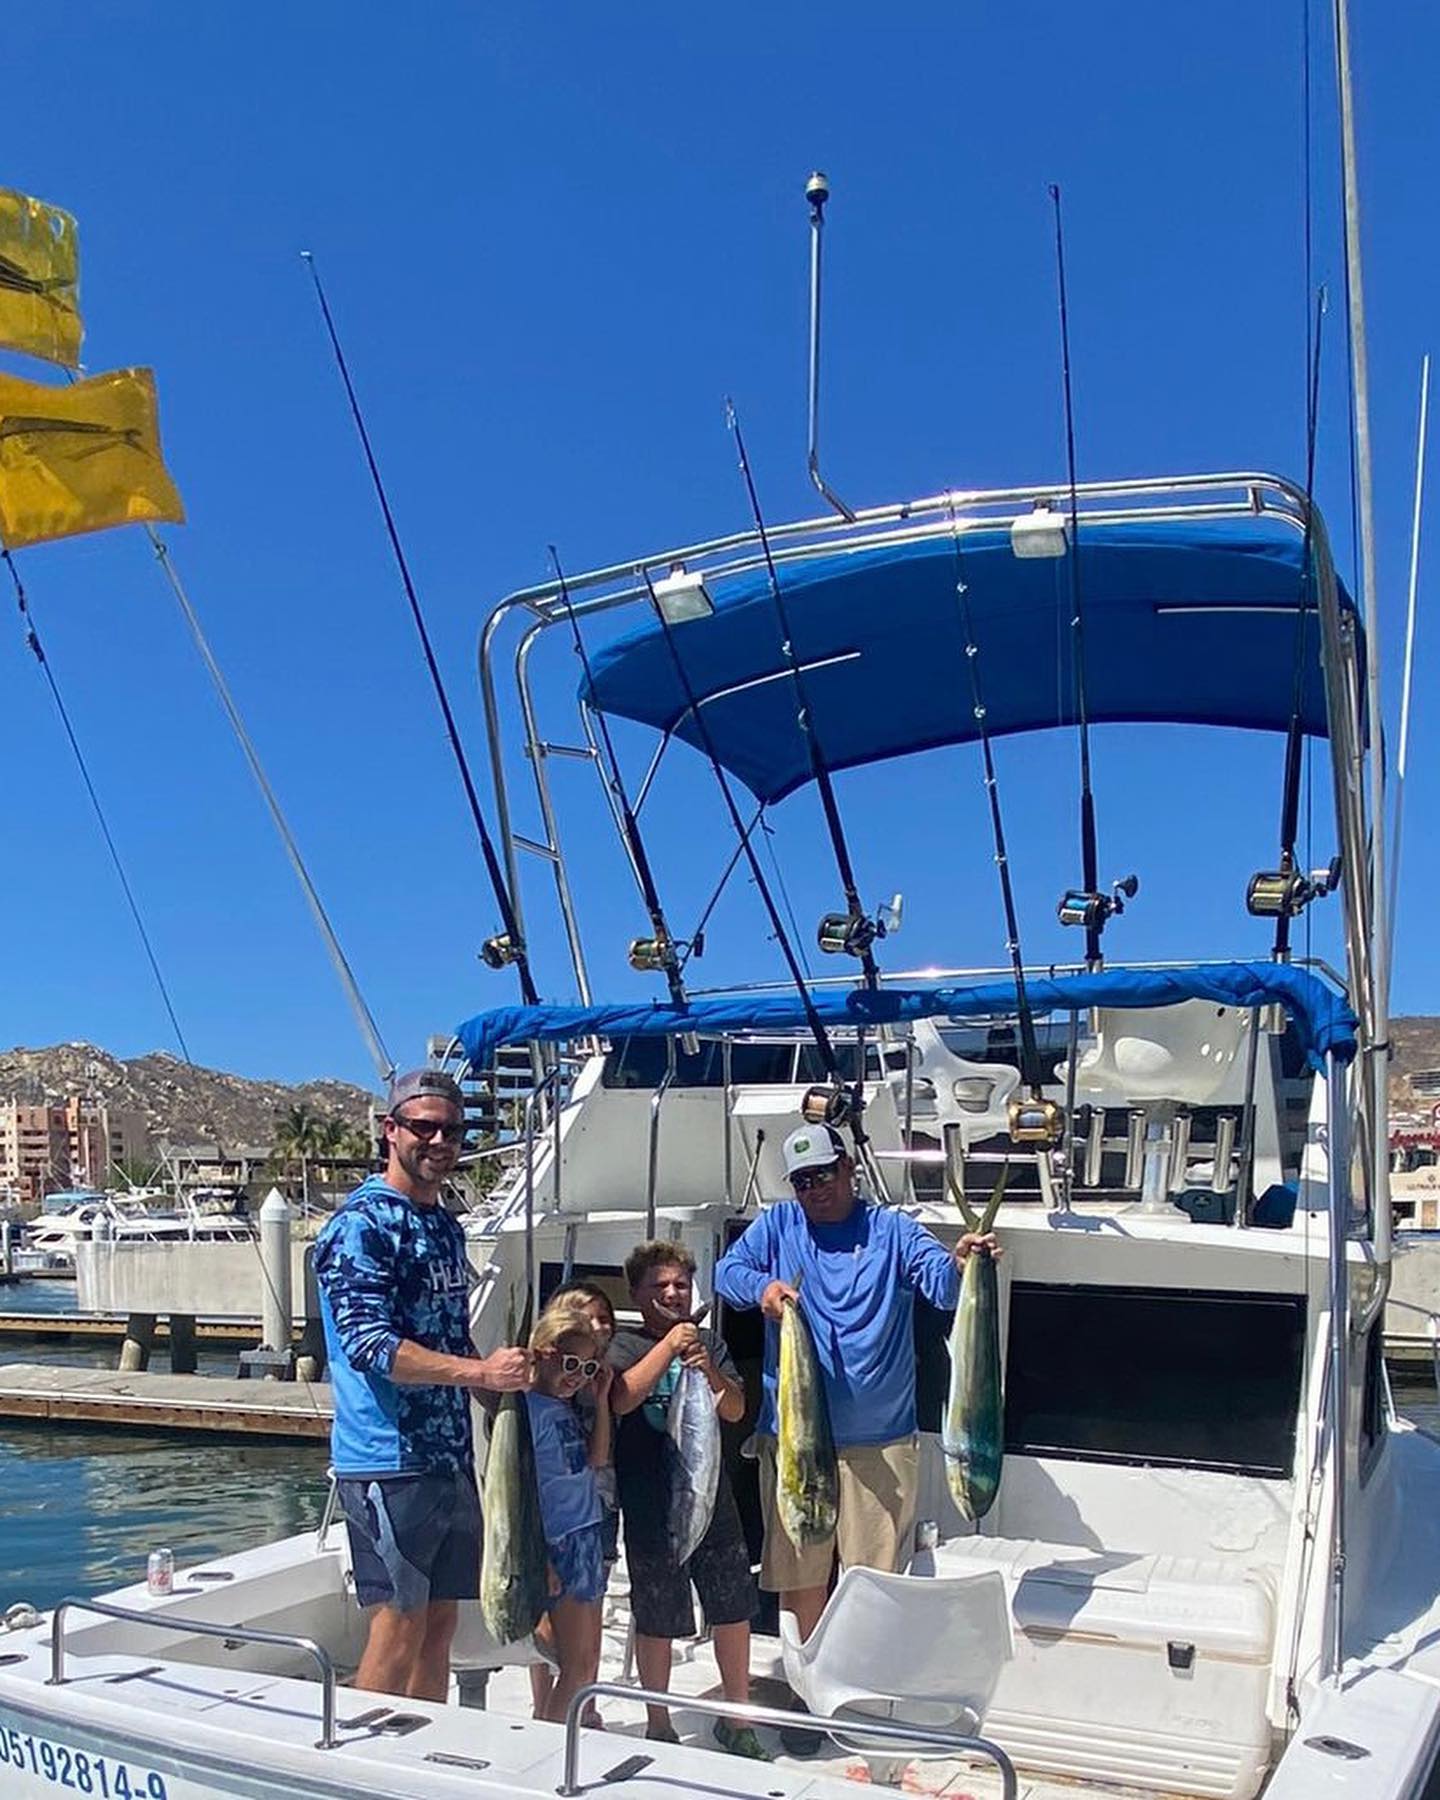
point(1095, 1147)
point(1339, 1221)
point(1224, 1177)
point(885, 1730)
point(817, 192)
point(1050, 1194)
point(657, 1100)
point(1135, 1148)
point(727, 1048)
point(1179, 1151)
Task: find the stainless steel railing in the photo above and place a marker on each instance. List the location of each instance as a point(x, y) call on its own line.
point(241, 1634)
point(887, 1730)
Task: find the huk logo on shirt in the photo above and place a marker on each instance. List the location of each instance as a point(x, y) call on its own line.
point(447, 1277)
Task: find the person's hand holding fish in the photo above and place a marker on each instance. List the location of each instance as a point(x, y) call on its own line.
point(504, 1370)
point(772, 1301)
point(976, 1240)
point(683, 1340)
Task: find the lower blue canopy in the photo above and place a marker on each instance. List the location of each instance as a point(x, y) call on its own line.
point(1186, 622)
point(1322, 1018)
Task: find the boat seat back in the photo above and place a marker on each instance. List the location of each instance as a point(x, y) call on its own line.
point(1150, 1672)
point(973, 1095)
point(1193, 1052)
point(894, 1646)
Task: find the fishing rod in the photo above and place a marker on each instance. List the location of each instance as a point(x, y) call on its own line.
point(509, 945)
point(1283, 894)
point(1084, 906)
point(837, 1105)
point(853, 932)
point(656, 954)
point(1035, 1120)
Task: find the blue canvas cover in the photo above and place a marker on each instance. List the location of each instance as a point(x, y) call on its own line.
point(1322, 1018)
point(1187, 622)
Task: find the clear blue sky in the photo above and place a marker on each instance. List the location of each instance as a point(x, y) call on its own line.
point(555, 238)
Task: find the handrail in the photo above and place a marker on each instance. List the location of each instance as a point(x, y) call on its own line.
point(890, 1729)
point(242, 1634)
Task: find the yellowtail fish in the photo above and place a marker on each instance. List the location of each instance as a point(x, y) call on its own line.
point(972, 1435)
point(807, 1478)
point(693, 1428)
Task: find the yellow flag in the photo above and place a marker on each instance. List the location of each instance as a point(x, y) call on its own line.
point(81, 458)
point(39, 280)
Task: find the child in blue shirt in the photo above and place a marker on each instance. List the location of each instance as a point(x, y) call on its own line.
point(568, 1357)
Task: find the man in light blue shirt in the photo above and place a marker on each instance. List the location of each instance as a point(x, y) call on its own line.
point(854, 1268)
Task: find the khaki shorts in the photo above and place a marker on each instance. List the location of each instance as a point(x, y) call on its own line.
point(876, 1522)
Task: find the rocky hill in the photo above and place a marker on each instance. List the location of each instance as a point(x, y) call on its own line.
point(180, 1104)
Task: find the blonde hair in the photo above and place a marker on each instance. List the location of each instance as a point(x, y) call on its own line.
point(559, 1325)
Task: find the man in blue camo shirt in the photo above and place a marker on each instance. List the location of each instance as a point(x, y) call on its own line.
point(394, 1286)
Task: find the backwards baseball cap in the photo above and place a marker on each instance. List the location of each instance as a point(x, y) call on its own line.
point(423, 1084)
point(812, 1147)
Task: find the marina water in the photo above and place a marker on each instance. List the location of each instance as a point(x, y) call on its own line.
point(81, 1508)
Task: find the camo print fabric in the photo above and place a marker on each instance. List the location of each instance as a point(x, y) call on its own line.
point(389, 1269)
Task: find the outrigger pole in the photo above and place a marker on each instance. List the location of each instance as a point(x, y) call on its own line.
point(509, 947)
point(657, 953)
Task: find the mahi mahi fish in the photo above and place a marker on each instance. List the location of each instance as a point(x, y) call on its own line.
point(514, 1565)
point(972, 1436)
point(693, 1429)
point(807, 1478)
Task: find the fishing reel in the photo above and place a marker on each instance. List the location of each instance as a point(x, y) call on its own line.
point(1035, 1120)
point(1285, 893)
point(853, 933)
point(652, 955)
point(1092, 911)
point(500, 951)
point(822, 1105)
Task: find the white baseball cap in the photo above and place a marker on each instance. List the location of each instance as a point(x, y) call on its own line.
point(812, 1147)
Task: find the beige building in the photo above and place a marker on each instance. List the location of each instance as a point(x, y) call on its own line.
point(50, 1145)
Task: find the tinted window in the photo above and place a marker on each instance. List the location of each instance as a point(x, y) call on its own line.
point(640, 1062)
point(1135, 1375)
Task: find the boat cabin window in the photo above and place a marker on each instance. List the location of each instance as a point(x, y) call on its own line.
point(640, 1062)
point(1181, 1378)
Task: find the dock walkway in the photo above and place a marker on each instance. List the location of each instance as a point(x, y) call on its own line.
point(208, 1403)
point(110, 1328)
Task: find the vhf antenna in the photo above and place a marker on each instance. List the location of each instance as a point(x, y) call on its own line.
point(817, 192)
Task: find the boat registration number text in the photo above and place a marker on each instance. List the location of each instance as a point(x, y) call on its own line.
point(78, 1770)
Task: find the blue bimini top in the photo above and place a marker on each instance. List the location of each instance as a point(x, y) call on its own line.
point(1186, 622)
point(1322, 1018)
point(389, 1269)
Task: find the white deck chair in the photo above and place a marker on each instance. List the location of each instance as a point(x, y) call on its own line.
point(902, 1647)
point(973, 1095)
point(1192, 1052)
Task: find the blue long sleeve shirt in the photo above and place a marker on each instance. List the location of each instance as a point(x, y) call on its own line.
point(858, 1281)
point(389, 1269)
point(569, 1492)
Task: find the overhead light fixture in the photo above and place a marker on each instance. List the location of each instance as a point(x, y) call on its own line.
point(1039, 533)
point(682, 595)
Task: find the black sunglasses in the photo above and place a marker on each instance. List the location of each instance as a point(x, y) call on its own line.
point(427, 1129)
point(570, 1364)
point(805, 1179)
